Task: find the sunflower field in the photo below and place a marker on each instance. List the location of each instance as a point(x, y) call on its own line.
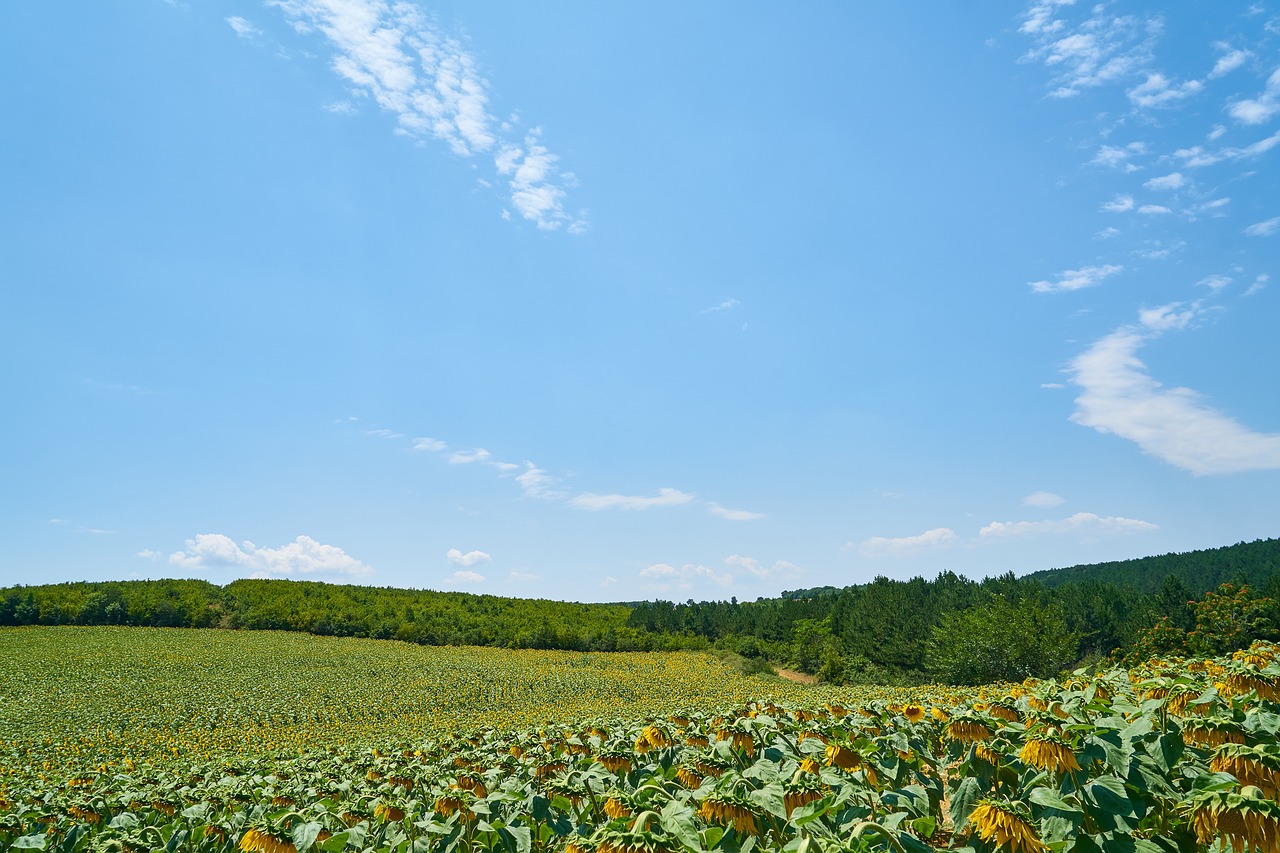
point(151, 740)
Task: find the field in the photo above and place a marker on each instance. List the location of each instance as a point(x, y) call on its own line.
point(152, 739)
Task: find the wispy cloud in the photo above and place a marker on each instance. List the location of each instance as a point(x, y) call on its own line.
point(431, 445)
point(753, 567)
point(383, 433)
point(666, 497)
point(1197, 156)
point(303, 556)
point(150, 554)
point(524, 577)
point(464, 577)
point(733, 514)
point(1159, 91)
point(664, 576)
point(1117, 157)
point(1171, 181)
point(1265, 228)
point(905, 546)
point(1230, 60)
point(1259, 284)
point(1079, 55)
point(471, 558)
point(1154, 210)
point(1081, 522)
point(1076, 279)
point(1043, 499)
point(427, 79)
point(1119, 204)
point(1261, 108)
point(243, 28)
point(723, 306)
point(1119, 397)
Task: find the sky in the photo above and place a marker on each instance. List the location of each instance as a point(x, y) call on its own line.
point(609, 302)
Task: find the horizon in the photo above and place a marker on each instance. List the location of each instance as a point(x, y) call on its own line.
point(635, 303)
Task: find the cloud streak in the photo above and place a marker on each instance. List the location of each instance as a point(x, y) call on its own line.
point(1119, 397)
point(906, 546)
point(412, 69)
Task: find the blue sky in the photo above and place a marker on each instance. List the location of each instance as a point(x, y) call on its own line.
point(608, 302)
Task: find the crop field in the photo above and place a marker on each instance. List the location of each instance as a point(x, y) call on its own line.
point(150, 739)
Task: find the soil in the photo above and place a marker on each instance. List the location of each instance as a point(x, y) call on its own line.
point(798, 677)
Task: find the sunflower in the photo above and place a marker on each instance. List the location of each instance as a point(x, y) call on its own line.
point(810, 765)
point(729, 811)
point(388, 812)
point(697, 740)
point(800, 792)
point(450, 803)
point(999, 822)
point(913, 712)
point(1211, 732)
point(1004, 712)
point(630, 841)
point(967, 730)
point(578, 845)
point(939, 714)
point(1247, 820)
point(1252, 765)
point(261, 841)
point(987, 754)
point(656, 737)
point(844, 757)
point(614, 761)
point(1048, 753)
point(616, 805)
point(688, 776)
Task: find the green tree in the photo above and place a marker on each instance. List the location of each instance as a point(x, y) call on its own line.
point(1001, 640)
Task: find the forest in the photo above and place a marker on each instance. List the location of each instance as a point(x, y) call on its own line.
point(949, 629)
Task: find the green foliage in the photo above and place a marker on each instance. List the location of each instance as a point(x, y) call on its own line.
point(1223, 621)
point(1245, 562)
point(1001, 641)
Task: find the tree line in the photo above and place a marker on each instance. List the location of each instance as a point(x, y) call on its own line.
point(950, 628)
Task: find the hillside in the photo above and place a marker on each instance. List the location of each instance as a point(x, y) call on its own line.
point(1252, 562)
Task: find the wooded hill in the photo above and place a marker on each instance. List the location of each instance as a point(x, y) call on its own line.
point(887, 631)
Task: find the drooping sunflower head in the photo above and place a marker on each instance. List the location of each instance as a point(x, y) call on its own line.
point(1252, 765)
point(843, 756)
point(728, 810)
point(1006, 825)
point(1248, 820)
point(260, 839)
point(1048, 753)
point(967, 730)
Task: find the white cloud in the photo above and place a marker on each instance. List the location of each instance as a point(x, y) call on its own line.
point(471, 558)
point(1258, 285)
point(1265, 228)
point(665, 497)
point(383, 433)
point(1119, 397)
point(1229, 61)
point(1076, 279)
point(1218, 132)
point(341, 108)
point(1197, 157)
point(414, 70)
point(1081, 522)
point(303, 556)
point(58, 521)
point(464, 576)
point(1043, 499)
point(1159, 91)
point(430, 444)
point(1116, 157)
point(665, 576)
point(1215, 282)
point(150, 554)
point(464, 457)
point(1154, 209)
point(780, 568)
point(1263, 107)
point(1099, 50)
point(1107, 233)
point(733, 514)
point(536, 483)
point(1171, 181)
point(1052, 385)
point(723, 306)
point(524, 577)
point(1119, 204)
point(243, 28)
point(881, 546)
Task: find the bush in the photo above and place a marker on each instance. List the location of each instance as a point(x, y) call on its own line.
point(1002, 641)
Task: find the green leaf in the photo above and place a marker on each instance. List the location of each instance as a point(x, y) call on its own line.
point(304, 835)
point(678, 820)
point(967, 794)
point(1050, 799)
point(520, 834)
point(38, 841)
